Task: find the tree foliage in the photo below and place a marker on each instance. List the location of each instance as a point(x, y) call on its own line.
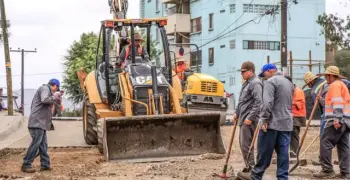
point(336, 30)
point(82, 54)
point(342, 60)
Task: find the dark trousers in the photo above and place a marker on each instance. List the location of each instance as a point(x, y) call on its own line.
point(267, 142)
point(294, 140)
point(39, 143)
point(330, 138)
point(245, 138)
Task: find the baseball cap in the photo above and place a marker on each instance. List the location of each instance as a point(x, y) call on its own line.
point(55, 82)
point(267, 67)
point(246, 66)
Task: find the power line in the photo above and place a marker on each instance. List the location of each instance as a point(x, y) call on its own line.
point(37, 74)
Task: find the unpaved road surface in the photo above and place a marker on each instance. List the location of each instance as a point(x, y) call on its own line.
point(87, 163)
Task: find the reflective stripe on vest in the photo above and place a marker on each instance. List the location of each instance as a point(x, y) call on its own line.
point(319, 86)
point(337, 101)
point(127, 51)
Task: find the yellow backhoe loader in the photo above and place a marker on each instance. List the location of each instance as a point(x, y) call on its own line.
point(134, 112)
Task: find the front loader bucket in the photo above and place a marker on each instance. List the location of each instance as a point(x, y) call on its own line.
point(162, 136)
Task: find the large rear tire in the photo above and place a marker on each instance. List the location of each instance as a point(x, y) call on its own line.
point(100, 135)
point(90, 117)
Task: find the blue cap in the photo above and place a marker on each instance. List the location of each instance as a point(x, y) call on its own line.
point(55, 82)
point(267, 67)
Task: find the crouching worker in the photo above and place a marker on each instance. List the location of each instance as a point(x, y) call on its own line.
point(39, 122)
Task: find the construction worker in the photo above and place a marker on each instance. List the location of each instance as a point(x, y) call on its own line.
point(276, 124)
point(315, 83)
point(299, 117)
point(126, 52)
point(39, 122)
point(181, 67)
point(247, 111)
point(337, 126)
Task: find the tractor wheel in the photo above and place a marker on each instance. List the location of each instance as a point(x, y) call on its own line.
point(100, 135)
point(90, 117)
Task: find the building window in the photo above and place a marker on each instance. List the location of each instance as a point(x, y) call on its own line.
point(211, 19)
point(261, 45)
point(196, 25)
point(232, 81)
point(211, 56)
point(157, 5)
point(222, 46)
point(157, 34)
point(232, 8)
point(232, 44)
point(193, 58)
point(142, 13)
point(259, 8)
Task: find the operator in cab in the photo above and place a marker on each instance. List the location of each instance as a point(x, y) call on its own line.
point(126, 52)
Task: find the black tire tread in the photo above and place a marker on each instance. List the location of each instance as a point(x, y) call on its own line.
point(91, 134)
point(100, 135)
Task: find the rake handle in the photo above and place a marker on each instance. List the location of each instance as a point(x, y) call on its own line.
point(230, 145)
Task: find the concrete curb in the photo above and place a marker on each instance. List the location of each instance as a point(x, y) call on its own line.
point(15, 125)
point(67, 118)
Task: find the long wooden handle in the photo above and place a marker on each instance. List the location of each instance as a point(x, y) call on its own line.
point(257, 130)
point(309, 121)
point(235, 121)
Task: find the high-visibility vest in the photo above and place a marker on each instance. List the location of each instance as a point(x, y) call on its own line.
point(299, 107)
point(127, 52)
point(180, 69)
point(337, 102)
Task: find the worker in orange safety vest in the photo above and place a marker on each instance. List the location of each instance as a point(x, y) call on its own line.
point(126, 52)
point(299, 117)
point(337, 127)
point(181, 67)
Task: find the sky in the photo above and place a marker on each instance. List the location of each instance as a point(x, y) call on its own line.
point(52, 26)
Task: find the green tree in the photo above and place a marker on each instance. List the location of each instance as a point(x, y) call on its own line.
point(336, 30)
point(342, 60)
point(81, 54)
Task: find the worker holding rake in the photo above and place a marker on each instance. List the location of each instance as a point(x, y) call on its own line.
point(248, 110)
point(276, 124)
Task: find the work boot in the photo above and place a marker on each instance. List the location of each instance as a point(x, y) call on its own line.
point(243, 176)
point(343, 176)
point(316, 163)
point(247, 169)
point(325, 174)
point(28, 170)
point(45, 169)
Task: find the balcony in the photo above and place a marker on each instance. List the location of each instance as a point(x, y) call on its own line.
point(182, 22)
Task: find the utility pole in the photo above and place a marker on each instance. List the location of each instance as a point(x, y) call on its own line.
point(7, 58)
point(284, 5)
point(22, 51)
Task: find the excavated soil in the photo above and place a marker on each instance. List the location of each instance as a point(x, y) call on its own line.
point(87, 163)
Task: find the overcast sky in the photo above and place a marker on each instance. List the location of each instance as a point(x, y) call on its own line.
point(52, 26)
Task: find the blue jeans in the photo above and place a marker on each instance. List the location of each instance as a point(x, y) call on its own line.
point(39, 143)
point(267, 142)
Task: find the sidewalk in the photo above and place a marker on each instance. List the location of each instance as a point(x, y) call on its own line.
point(9, 124)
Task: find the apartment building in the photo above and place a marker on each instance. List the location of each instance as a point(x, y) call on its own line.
point(230, 32)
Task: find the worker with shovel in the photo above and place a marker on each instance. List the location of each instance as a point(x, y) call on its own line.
point(315, 83)
point(276, 124)
point(337, 126)
point(299, 118)
point(247, 110)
